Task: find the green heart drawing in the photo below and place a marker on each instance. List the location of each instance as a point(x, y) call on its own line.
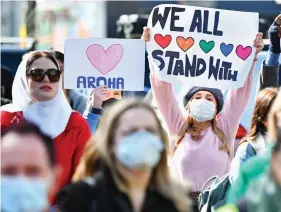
point(206, 46)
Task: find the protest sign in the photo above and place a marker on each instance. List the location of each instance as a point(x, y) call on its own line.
point(117, 63)
point(202, 46)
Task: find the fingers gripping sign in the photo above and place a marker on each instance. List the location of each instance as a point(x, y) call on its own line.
point(101, 94)
point(98, 96)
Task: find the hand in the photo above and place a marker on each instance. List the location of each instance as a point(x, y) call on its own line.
point(98, 96)
point(146, 34)
point(277, 20)
point(258, 43)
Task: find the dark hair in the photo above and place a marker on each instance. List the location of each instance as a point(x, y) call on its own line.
point(38, 54)
point(7, 79)
point(27, 128)
point(58, 55)
point(263, 104)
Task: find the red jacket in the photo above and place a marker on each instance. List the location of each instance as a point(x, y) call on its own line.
point(69, 145)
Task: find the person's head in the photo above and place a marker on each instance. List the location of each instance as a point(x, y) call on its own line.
point(27, 168)
point(264, 102)
point(203, 105)
point(132, 143)
point(276, 162)
point(7, 79)
point(114, 96)
point(209, 100)
point(274, 132)
point(122, 120)
point(43, 75)
point(274, 121)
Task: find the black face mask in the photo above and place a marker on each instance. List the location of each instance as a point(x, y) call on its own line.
point(109, 102)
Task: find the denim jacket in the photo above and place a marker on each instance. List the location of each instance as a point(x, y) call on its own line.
point(92, 115)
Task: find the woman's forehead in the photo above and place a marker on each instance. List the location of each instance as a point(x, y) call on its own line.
point(138, 116)
point(205, 93)
point(43, 62)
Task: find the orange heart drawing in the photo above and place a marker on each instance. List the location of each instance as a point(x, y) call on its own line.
point(185, 44)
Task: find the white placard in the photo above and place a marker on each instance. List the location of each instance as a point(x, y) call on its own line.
point(117, 63)
point(202, 46)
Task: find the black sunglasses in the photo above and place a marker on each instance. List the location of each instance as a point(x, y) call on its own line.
point(38, 75)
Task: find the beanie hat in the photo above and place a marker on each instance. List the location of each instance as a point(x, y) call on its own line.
point(216, 92)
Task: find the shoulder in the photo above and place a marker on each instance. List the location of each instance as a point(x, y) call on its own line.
point(242, 146)
point(8, 118)
point(76, 120)
point(256, 165)
point(245, 151)
point(79, 125)
point(78, 196)
point(7, 115)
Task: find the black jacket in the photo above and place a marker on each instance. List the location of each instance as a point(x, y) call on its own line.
point(269, 76)
point(100, 194)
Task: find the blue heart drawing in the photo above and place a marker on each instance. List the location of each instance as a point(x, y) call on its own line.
point(226, 49)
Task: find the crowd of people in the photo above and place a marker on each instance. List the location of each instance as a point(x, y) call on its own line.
point(63, 152)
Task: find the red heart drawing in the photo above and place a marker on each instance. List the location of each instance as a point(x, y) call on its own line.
point(104, 61)
point(163, 41)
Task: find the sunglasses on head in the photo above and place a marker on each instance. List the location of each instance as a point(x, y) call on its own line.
point(38, 75)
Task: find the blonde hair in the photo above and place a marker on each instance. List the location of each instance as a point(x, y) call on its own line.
point(195, 133)
point(99, 148)
point(274, 119)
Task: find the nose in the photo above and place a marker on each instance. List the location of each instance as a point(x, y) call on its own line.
point(46, 79)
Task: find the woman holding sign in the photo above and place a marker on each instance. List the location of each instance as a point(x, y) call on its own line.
point(205, 138)
point(38, 98)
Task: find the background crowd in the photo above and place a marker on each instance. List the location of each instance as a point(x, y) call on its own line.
point(109, 152)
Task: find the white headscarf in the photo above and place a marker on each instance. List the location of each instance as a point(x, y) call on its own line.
point(51, 116)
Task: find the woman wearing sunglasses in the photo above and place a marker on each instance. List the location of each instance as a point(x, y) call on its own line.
point(38, 98)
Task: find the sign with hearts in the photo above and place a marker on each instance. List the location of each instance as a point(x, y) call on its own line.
point(117, 63)
point(202, 46)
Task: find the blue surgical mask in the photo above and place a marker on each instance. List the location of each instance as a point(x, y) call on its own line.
point(22, 194)
point(202, 110)
point(140, 150)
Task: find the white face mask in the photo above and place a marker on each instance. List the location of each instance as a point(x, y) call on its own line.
point(22, 194)
point(202, 110)
point(140, 149)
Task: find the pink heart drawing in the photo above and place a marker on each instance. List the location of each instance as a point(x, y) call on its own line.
point(105, 61)
point(243, 52)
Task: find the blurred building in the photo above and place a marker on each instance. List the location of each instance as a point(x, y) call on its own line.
point(12, 16)
point(98, 18)
point(57, 20)
point(267, 10)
